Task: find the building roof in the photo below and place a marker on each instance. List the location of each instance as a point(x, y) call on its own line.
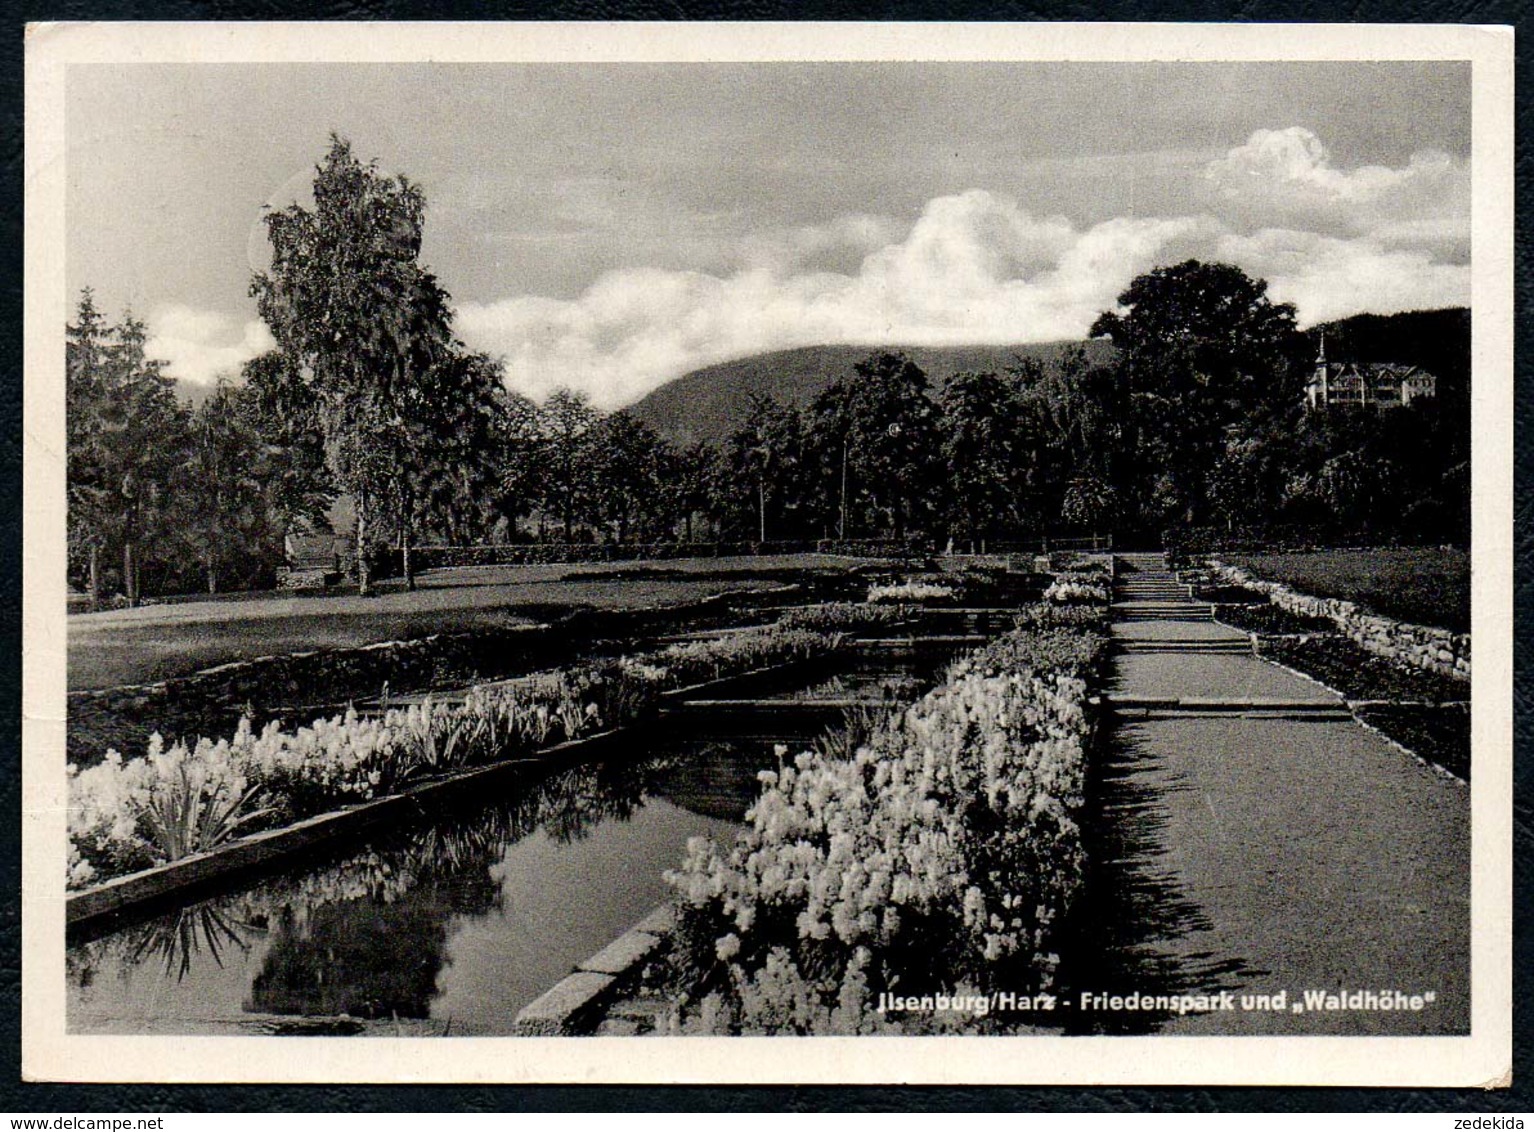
point(1372, 373)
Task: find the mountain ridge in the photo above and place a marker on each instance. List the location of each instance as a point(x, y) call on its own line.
point(707, 403)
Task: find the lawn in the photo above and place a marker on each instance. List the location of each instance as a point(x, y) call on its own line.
point(135, 646)
point(1422, 585)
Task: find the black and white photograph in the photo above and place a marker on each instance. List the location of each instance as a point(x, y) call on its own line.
point(963, 540)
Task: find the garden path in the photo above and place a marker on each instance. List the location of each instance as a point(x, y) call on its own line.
point(1283, 849)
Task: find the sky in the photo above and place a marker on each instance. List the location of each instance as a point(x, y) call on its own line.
point(610, 227)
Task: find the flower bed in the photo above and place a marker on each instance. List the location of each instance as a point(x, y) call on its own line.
point(1076, 590)
point(840, 617)
point(127, 815)
point(1043, 615)
point(940, 857)
point(1423, 711)
point(1359, 675)
point(452, 851)
point(909, 592)
point(1317, 647)
point(1077, 564)
point(1249, 611)
point(1425, 646)
point(1439, 734)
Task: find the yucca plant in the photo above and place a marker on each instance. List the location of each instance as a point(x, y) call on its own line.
point(186, 813)
point(574, 717)
point(480, 730)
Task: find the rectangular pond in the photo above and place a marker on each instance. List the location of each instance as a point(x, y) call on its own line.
point(452, 923)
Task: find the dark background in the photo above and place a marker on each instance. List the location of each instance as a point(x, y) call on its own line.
point(49, 1098)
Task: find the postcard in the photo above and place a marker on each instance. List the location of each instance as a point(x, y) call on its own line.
point(822, 553)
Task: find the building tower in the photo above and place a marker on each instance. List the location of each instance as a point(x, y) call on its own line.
point(1318, 388)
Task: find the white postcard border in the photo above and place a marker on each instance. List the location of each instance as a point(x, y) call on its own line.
point(48, 1053)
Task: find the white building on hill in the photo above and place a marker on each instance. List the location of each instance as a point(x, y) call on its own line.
point(1373, 385)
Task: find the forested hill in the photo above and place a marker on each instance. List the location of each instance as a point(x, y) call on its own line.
point(1438, 341)
point(707, 404)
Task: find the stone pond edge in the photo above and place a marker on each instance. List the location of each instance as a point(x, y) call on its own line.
point(255, 850)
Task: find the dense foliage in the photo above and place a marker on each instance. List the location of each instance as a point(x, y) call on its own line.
point(1197, 418)
point(938, 858)
point(839, 617)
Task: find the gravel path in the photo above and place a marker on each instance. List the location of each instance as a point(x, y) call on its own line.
point(1216, 676)
point(1255, 856)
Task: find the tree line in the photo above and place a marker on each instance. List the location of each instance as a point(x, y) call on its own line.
point(1198, 419)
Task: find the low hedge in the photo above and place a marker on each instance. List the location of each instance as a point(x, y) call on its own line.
point(1270, 620)
point(876, 548)
point(1440, 734)
point(1196, 542)
point(1433, 722)
point(550, 553)
point(1358, 674)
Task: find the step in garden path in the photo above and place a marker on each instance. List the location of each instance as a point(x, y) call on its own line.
point(1254, 838)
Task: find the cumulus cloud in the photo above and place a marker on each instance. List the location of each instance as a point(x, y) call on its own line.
point(1326, 277)
point(813, 246)
point(675, 289)
point(1286, 178)
point(975, 267)
point(199, 346)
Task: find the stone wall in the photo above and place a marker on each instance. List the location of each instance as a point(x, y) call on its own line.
point(211, 702)
point(293, 685)
point(1425, 646)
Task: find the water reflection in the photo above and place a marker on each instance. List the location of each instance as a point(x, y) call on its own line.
point(174, 939)
point(361, 959)
point(465, 915)
point(376, 934)
point(715, 781)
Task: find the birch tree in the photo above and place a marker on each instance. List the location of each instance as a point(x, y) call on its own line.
point(352, 307)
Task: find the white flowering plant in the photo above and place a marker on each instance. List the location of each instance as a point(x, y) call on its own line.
point(1048, 615)
point(1077, 590)
point(456, 851)
point(840, 617)
point(940, 856)
point(190, 797)
point(909, 592)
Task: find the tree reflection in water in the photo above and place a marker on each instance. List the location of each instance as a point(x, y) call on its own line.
point(366, 934)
